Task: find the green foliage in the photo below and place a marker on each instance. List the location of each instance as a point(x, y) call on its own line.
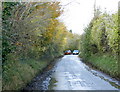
point(106, 63)
point(73, 41)
point(85, 43)
point(104, 33)
point(112, 33)
point(31, 34)
point(32, 29)
point(6, 15)
point(17, 73)
point(99, 43)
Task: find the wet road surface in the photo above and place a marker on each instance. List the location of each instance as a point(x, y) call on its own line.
point(70, 73)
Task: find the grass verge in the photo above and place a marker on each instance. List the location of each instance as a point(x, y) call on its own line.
point(17, 73)
point(105, 63)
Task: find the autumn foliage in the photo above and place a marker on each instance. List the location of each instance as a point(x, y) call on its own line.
point(32, 37)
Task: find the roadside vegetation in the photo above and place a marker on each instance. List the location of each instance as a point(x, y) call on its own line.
point(100, 43)
point(32, 36)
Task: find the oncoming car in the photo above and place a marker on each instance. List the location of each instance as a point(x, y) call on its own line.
point(67, 52)
point(75, 52)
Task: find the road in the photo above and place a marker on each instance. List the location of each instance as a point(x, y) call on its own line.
point(72, 74)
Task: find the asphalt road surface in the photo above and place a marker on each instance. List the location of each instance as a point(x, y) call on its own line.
point(72, 74)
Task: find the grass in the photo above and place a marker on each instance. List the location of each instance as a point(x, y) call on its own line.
point(106, 63)
point(52, 84)
point(17, 73)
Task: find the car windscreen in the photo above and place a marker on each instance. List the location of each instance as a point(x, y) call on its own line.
point(68, 51)
point(75, 51)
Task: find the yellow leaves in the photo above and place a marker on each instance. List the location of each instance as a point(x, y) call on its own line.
point(42, 26)
point(19, 44)
point(29, 40)
point(39, 7)
point(31, 21)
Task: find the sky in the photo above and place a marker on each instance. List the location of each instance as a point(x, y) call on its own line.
point(78, 13)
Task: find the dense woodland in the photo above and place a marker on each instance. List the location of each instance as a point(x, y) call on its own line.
point(32, 36)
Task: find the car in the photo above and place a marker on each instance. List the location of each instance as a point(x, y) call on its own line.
point(75, 52)
point(67, 52)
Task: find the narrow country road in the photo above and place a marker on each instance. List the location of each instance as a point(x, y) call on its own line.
point(71, 74)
